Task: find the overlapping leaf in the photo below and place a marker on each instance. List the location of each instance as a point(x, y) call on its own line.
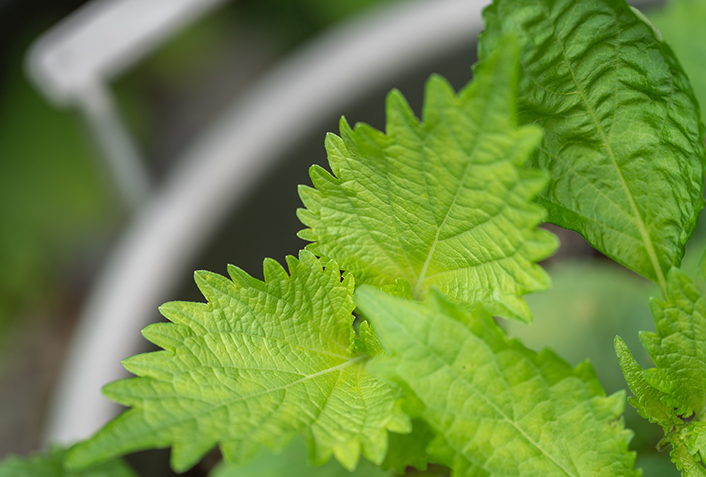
point(498, 409)
point(444, 203)
point(51, 465)
point(622, 128)
point(673, 393)
point(258, 363)
point(678, 350)
point(647, 400)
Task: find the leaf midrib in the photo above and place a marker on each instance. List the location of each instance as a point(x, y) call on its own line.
point(190, 416)
point(477, 139)
point(488, 401)
point(649, 247)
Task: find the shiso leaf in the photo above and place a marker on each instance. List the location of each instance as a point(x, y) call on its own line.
point(257, 364)
point(445, 202)
point(622, 128)
point(497, 408)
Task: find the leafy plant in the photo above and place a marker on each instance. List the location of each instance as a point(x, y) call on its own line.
point(380, 339)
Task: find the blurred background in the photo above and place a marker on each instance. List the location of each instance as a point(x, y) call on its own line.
point(63, 214)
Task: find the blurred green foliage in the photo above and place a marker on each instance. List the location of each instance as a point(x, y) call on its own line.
point(293, 462)
point(683, 26)
point(51, 465)
point(52, 198)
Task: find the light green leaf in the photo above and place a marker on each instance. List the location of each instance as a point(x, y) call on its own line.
point(260, 362)
point(292, 462)
point(687, 463)
point(444, 203)
point(679, 347)
point(682, 25)
point(674, 392)
point(622, 135)
point(697, 437)
point(51, 465)
point(647, 400)
point(498, 408)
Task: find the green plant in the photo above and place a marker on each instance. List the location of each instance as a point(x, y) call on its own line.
point(579, 114)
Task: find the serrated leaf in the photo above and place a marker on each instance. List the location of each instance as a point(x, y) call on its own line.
point(51, 465)
point(622, 129)
point(444, 203)
point(687, 463)
point(674, 392)
point(697, 437)
point(678, 348)
point(258, 363)
point(292, 462)
point(647, 400)
point(498, 408)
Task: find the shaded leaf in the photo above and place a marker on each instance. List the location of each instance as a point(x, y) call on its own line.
point(409, 450)
point(51, 465)
point(622, 127)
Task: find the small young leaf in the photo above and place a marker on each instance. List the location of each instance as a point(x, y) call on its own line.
point(260, 362)
point(498, 409)
point(674, 393)
point(623, 141)
point(445, 203)
point(51, 465)
point(687, 463)
point(647, 400)
point(697, 437)
point(678, 348)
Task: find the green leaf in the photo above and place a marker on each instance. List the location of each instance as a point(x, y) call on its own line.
point(697, 437)
point(444, 203)
point(682, 25)
point(260, 362)
point(409, 450)
point(622, 129)
point(647, 400)
point(678, 348)
point(292, 462)
point(687, 463)
point(673, 393)
point(498, 409)
point(51, 465)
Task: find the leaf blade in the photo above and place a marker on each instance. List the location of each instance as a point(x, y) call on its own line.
point(444, 202)
point(677, 347)
point(257, 364)
point(622, 127)
point(505, 410)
